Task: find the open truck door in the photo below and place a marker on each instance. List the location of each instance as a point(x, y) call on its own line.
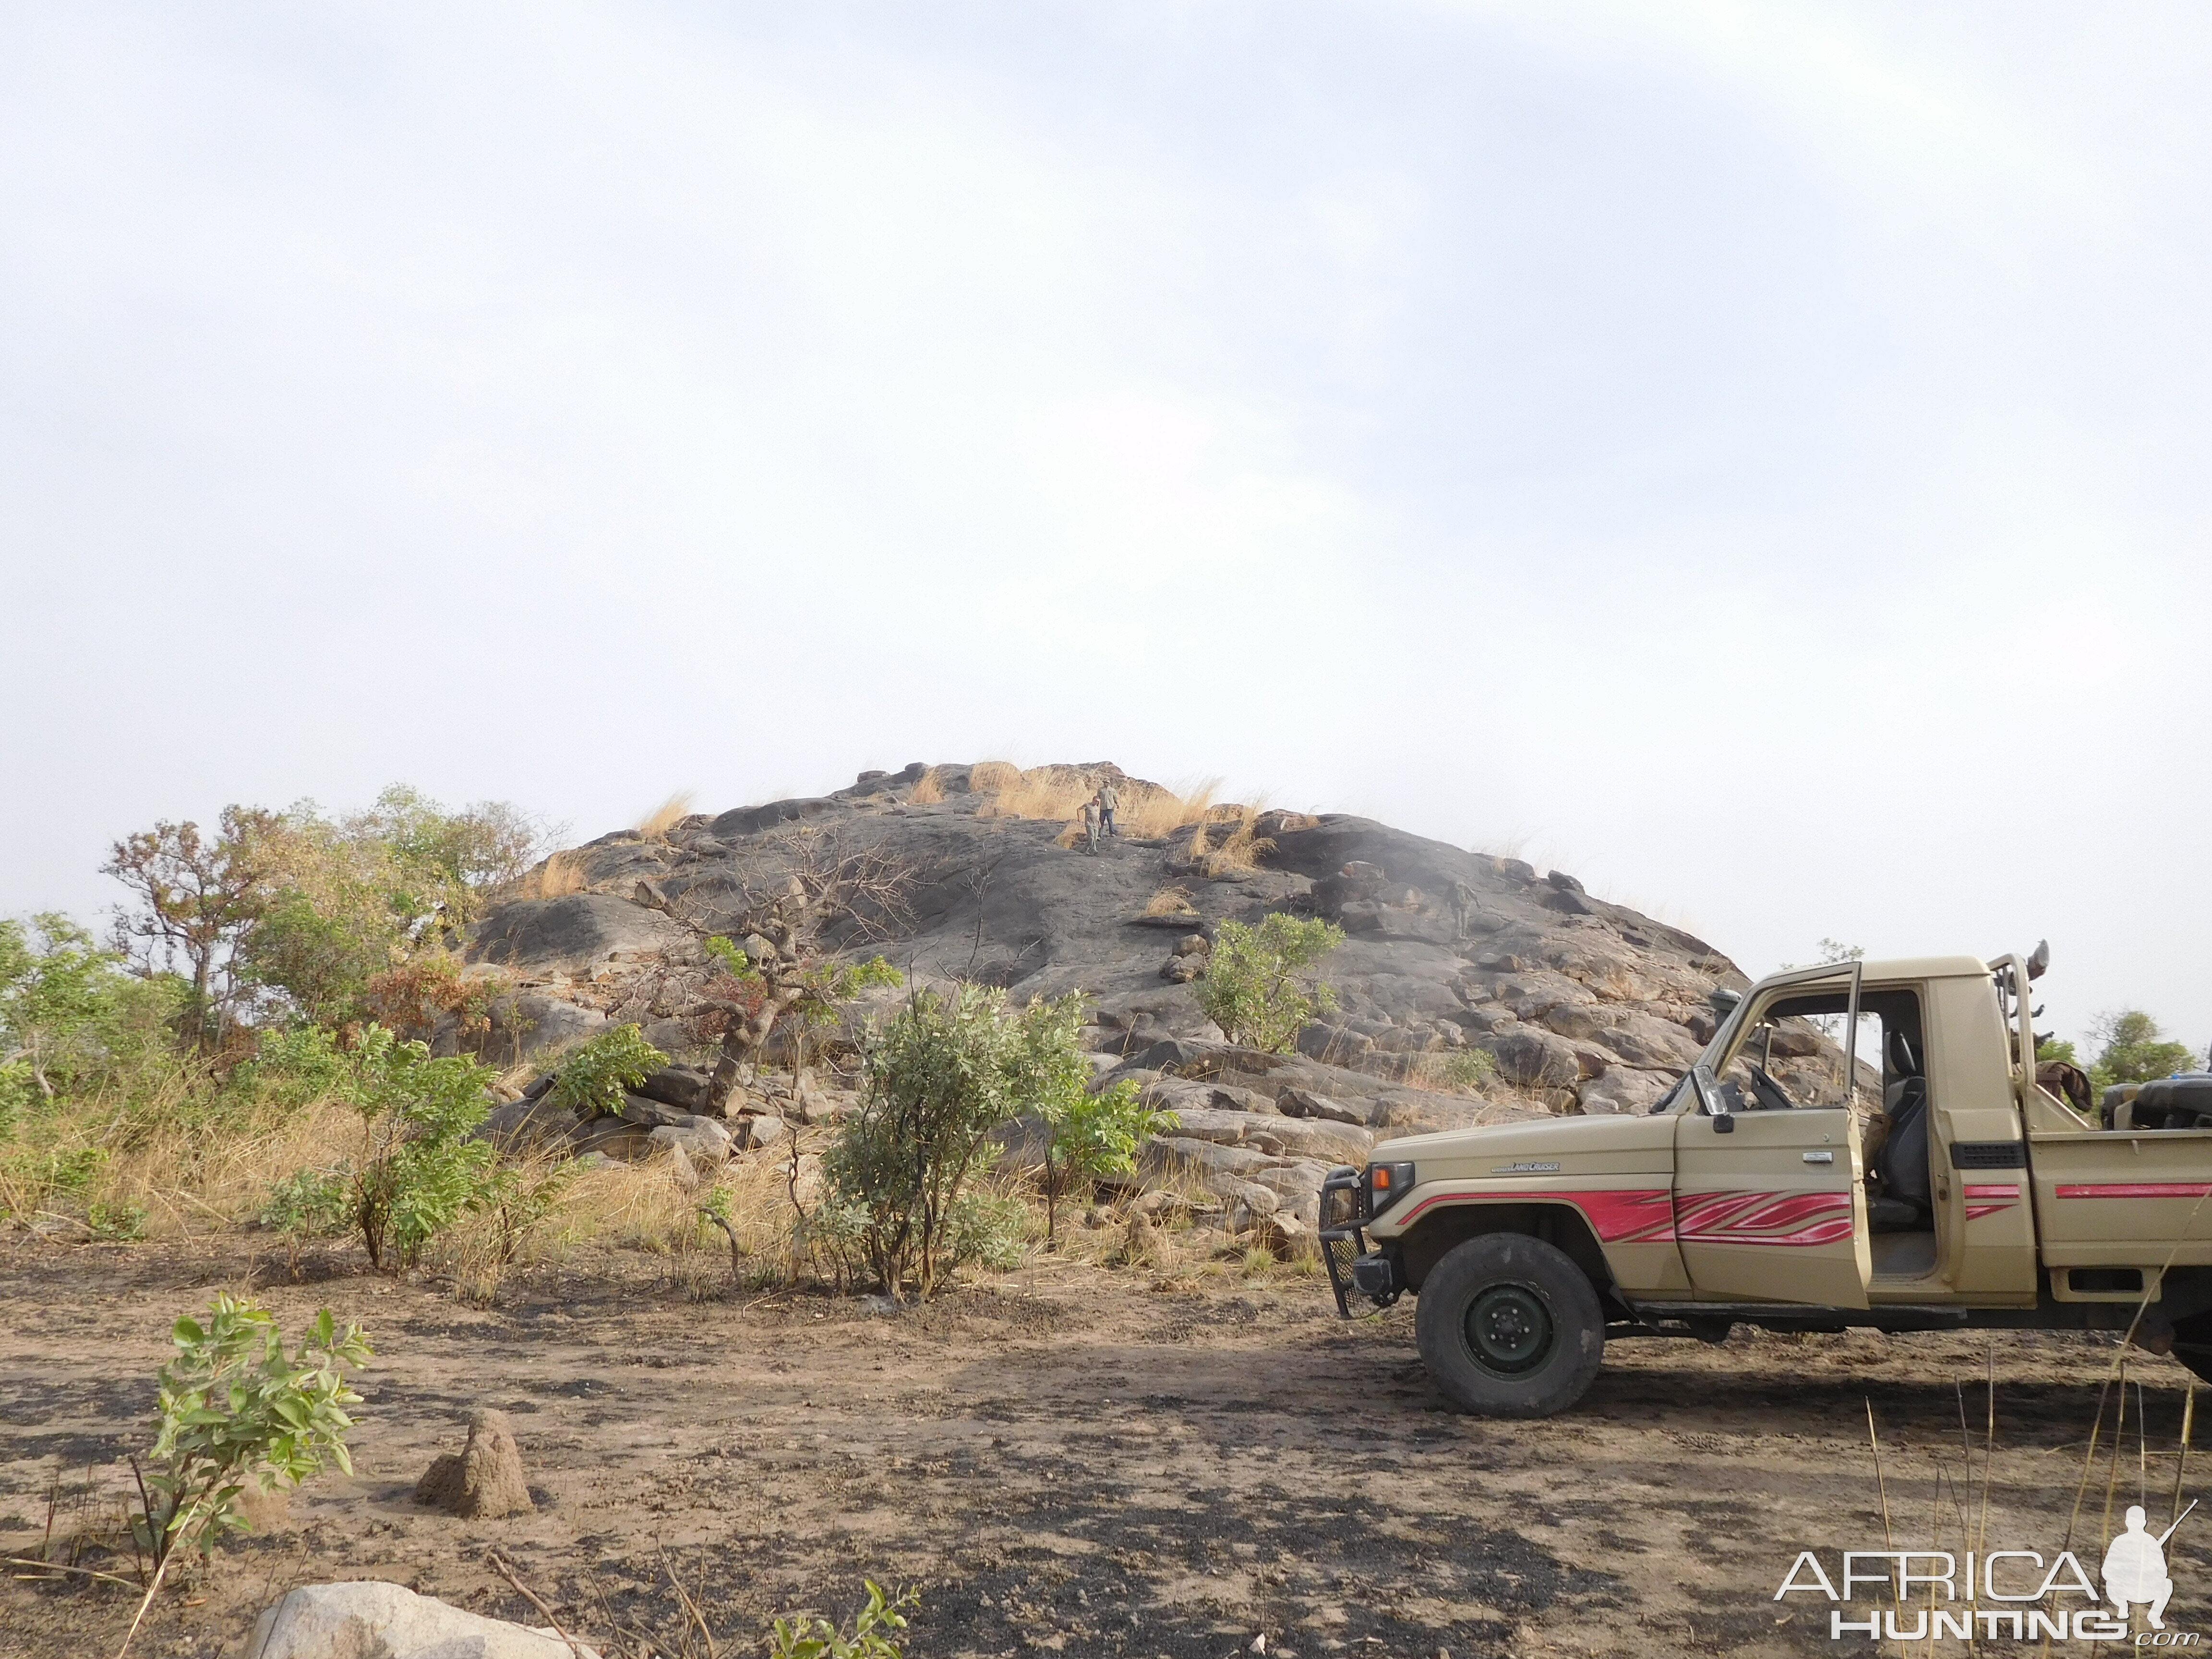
point(1770, 1203)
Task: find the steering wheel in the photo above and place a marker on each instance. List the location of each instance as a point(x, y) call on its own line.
point(1769, 1091)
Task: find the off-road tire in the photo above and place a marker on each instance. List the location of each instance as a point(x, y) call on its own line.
point(1509, 1327)
point(2192, 1343)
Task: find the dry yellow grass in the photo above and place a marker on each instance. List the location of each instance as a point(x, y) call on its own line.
point(1146, 809)
point(190, 1180)
point(1170, 902)
point(987, 777)
point(1239, 851)
point(656, 825)
point(928, 791)
point(560, 875)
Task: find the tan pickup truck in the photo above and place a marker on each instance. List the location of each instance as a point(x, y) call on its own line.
point(1906, 1173)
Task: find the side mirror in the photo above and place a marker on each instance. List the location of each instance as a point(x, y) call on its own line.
point(1722, 1000)
point(2039, 959)
point(1710, 1098)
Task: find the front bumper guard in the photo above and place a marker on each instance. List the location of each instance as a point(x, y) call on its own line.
point(1353, 1269)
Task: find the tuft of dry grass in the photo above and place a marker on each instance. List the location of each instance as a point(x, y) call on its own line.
point(989, 777)
point(1146, 809)
point(927, 791)
point(560, 875)
point(1239, 851)
point(189, 1180)
point(656, 825)
point(1170, 902)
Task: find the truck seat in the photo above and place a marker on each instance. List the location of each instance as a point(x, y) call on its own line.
point(1902, 1201)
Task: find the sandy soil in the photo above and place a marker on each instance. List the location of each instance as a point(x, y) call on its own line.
point(1079, 1460)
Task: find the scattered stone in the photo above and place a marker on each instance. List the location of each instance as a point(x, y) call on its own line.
point(370, 1619)
point(704, 1141)
point(484, 1480)
point(1193, 944)
point(1305, 1103)
point(685, 1087)
point(648, 1114)
point(759, 1132)
point(1534, 1058)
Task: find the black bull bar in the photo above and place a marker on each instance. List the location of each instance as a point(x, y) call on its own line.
point(1353, 1270)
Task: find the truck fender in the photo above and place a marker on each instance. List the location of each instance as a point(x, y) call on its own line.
point(1557, 1224)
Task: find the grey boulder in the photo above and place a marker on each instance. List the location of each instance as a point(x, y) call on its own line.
point(572, 932)
point(368, 1619)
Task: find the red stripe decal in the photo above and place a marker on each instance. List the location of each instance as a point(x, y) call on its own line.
point(1633, 1216)
point(2138, 1189)
point(1988, 1198)
point(1763, 1218)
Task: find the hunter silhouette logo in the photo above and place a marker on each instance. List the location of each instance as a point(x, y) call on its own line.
point(2134, 1567)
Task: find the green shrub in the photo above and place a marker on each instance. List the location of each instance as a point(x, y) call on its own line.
point(1087, 1135)
point(235, 1410)
point(597, 1073)
point(1257, 987)
point(940, 1076)
point(517, 1200)
point(309, 1204)
point(116, 1224)
point(292, 1067)
point(1469, 1068)
point(991, 1228)
point(418, 1172)
point(804, 1636)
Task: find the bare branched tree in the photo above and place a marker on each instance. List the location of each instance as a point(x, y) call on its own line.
point(832, 897)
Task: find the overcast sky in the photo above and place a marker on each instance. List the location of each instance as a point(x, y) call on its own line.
point(1752, 456)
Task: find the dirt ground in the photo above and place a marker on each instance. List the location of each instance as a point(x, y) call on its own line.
point(1074, 1459)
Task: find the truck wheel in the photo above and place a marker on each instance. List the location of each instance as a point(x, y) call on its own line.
point(1509, 1327)
point(2192, 1343)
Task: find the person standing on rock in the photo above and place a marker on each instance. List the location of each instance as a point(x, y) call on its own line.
point(1109, 799)
point(1090, 811)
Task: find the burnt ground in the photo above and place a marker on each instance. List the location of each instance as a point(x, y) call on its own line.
point(1071, 1459)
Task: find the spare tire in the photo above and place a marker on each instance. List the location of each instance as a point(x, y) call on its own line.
point(2173, 1103)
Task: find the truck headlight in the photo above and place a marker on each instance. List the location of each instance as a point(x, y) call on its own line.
point(1386, 1184)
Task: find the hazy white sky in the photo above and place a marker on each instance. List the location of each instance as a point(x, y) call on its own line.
point(1750, 455)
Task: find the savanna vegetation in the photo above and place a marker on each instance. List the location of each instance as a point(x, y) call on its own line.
point(245, 1048)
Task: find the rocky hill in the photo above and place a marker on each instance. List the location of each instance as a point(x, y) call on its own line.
point(974, 874)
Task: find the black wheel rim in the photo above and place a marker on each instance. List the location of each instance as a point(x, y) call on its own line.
point(1509, 1330)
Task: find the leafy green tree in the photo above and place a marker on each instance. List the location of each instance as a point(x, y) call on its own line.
point(2134, 1050)
point(1087, 1135)
point(598, 1072)
point(196, 897)
point(940, 1076)
point(58, 998)
point(349, 900)
point(1258, 987)
point(234, 1410)
point(419, 1172)
point(455, 860)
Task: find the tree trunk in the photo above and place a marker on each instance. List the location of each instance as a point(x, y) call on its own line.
point(203, 969)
